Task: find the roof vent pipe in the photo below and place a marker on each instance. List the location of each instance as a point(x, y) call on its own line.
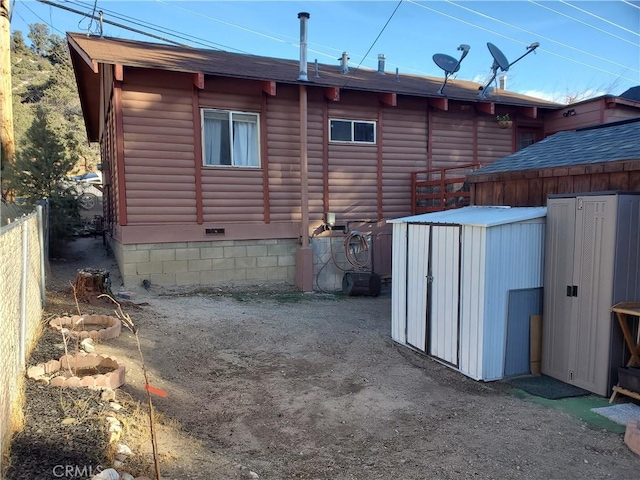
point(304, 17)
point(344, 63)
point(381, 59)
point(503, 82)
point(397, 75)
point(317, 72)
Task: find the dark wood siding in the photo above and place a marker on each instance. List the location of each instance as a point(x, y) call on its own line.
point(404, 151)
point(158, 148)
point(353, 168)
point(452, 139)
point(493, 142)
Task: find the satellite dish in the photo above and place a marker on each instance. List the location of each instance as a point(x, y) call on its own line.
point(500, 62)
point(498, 57)
point(449, 64)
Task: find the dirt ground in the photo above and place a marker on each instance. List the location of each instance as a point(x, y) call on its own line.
point(281, 385)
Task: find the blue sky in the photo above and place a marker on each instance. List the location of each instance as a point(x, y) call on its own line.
point(586, 47)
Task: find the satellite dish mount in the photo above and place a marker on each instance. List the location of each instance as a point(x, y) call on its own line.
point(500, 62)
point(449, 64)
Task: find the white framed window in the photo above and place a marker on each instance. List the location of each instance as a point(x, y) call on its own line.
point(230, 138)
point(352, 131)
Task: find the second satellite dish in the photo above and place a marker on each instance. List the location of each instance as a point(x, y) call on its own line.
point(449, 64)
point(500, 62)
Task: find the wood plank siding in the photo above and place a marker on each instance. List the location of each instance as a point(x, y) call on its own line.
point(493, 142)
point(404, 151)
point(353, 172)
point(158, 149)
point(452, 139)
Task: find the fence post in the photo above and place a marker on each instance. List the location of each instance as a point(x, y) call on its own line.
point(23, 295)
point(43, 290)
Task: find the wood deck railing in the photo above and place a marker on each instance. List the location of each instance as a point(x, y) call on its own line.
point(441, 189)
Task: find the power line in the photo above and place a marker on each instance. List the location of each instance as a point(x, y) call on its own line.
point(520, 41)
point(600, 18)
point(38, 17)
point(538, 35)
point(635, 44)
point(632, 4)
point(163, 30)
point(375, 41)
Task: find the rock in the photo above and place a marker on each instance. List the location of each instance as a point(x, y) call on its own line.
point(121, 457)
point(124, 449)
point(115, 427)
point(114, 437)
point(69, 421)
point(87, 345)
point(126, 476)
point(142, 478)
point(117, 464)
point(115, 406)
point(253, 474)
point(108, 474)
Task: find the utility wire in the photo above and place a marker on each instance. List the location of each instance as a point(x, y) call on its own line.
point(635, 80)
point(542, 5)
point(167, 31)
point(538, 35)
point(375, 41)
point(600, 18)
point(631, 4)
point(38, 17)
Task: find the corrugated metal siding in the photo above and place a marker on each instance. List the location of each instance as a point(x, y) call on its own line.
point(493, 142)
point(444, 298)
point(417, 268)
point(399, 284)
point(158, 152)
point(514, 260)
point(404, 150)
point(452, 139)
point(353, 168)
point(521, 305)
point(472, 305)
point(283, 137)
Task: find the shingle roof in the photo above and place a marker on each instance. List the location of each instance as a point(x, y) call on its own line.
point(632, 94)
point(185, 59)
point(605, 143)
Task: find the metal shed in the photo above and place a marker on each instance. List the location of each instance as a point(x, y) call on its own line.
point(453, 274)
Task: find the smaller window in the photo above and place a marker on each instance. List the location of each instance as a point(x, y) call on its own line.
point(352, 131)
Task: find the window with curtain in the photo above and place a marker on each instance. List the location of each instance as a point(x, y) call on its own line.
point(230, 138)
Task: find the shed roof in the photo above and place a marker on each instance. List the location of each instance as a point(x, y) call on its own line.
point(477, 216)
point(611, 142)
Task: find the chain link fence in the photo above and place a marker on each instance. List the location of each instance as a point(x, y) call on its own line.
point(22, 295)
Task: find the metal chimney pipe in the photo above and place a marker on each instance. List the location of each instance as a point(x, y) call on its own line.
point(317, 72)
point(503, 82)
point(304, 17)
point(381, 59)
point(344, 63)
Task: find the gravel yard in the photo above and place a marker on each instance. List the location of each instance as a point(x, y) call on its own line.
point(284, 385)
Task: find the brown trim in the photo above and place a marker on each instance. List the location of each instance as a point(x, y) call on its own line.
point(475, 136)
point(264, 158)
point(190, 232)
point(486, 107)
point(325, 155)
point(118, 72)
point(269, 87)
point(197, 152)
point(429, 139)
point(304, 167)
point(611, 102)
point(602, 109)
point(122, 198)
point(439, 103)
point(390, 99)
point(514, 134)
point(93, 65)
point(528, 112)
point(380, 138)
point(198, 81)
point(332, 93)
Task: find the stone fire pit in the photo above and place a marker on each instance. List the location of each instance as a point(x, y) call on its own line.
point(97, 327)
point(88, 370)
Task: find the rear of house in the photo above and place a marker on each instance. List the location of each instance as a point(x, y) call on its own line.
point(224, 168)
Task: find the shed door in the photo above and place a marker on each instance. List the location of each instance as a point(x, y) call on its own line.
point(417, 271)
point(444, 293)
